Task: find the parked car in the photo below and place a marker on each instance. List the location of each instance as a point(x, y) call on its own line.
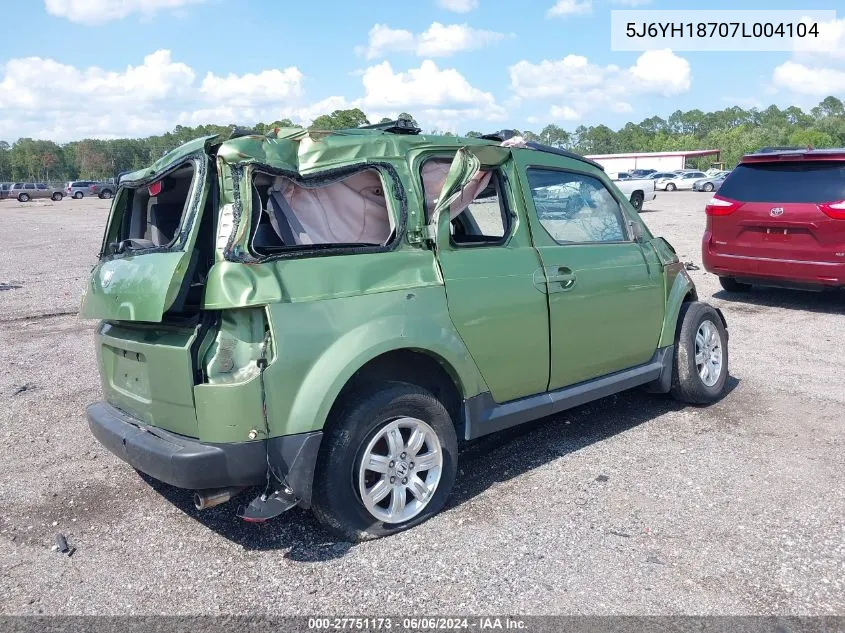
point(684, 180)
point(79, 189)
point(331, 335)
point(103, 190)
point(26, 191)
point(711, 183)
point(779, 220)
point(660, 175)
point(638, 190)
point(642, 173)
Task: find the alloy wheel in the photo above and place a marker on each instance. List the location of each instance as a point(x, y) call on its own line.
point(400, 470)
point(708, 353)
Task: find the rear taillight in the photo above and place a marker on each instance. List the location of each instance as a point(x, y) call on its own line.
point(835, 210)
point(721, 206)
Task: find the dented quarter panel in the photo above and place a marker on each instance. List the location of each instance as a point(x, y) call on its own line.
point(233, 284)
point(319, 345)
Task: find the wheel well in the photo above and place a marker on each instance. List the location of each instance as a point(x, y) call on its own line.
point(638, 191)
point(417, 368)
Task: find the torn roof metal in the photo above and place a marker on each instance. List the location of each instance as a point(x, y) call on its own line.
point(300, 150)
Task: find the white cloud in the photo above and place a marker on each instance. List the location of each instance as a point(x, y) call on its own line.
point(102, 11)
point(564, 113)
point(563, 8)
point(661, 72)
point(438, 40)
point(443, 93)
point(830, 42)
point(580, 86)
point(819, 82)
point(383, 39)
point(816, 68)
point(265, 87)
point(458, 6)
point(45, 98)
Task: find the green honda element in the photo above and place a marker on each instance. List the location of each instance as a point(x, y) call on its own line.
point(325, 316)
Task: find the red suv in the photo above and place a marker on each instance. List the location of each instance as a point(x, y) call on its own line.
point(779, 220)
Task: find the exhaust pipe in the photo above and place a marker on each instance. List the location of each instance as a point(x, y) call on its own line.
point(204, 499)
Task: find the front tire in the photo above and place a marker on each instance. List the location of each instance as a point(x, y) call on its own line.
point(23, 197)
point(388, 462)
point(700, 370)
point(708, 186)
point(56, 197)
point(105, 195)
point(78, 195)
point(637, 199)
point(670, 187)
point(732, 285)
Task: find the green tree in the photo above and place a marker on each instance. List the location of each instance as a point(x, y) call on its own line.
point(340, 120)
point(555, 136)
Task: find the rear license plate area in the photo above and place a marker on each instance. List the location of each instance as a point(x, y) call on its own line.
point(130, 375)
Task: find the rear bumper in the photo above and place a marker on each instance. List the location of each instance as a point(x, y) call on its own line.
point(768, 270)
point(188, 463)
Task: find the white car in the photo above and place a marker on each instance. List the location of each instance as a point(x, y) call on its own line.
point(684, 180)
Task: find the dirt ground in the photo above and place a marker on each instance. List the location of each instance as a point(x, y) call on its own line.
point(631, 505)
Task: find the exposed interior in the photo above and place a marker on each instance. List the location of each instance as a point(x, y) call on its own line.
point(478, 215)
point(151, 215)
point(350, 211)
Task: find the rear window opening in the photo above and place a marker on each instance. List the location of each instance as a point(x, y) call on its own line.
point(351, 211)
point(479, 215)
point(151, 216)
point(811, 182)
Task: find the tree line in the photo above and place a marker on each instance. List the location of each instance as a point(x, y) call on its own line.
point(735, 131)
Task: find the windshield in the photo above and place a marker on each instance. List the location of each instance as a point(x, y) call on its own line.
point(812, 182)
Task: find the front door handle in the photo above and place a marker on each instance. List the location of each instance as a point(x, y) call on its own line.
point(560, 278)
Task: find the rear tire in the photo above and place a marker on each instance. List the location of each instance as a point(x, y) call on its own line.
point(105, 195)
point(670, 187)
point(637, 199)
point(78, 195)
point(23, 197)
point(700, 370)
point(732, 285)
point(363, 426)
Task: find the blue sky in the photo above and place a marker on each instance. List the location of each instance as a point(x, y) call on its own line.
point(136, 67)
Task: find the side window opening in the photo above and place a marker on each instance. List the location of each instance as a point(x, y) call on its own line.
point(479, 216)
point(576, 208)
point(152, 214)
point(351, 211)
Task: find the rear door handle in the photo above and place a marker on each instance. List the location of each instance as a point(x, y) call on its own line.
point(560, 278)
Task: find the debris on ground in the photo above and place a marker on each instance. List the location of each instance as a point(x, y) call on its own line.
point(62, 546)
point(602, 478)
point(22, 388)
point(691, 266)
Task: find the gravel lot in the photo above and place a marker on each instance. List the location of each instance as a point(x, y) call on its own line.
point(632, 505)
